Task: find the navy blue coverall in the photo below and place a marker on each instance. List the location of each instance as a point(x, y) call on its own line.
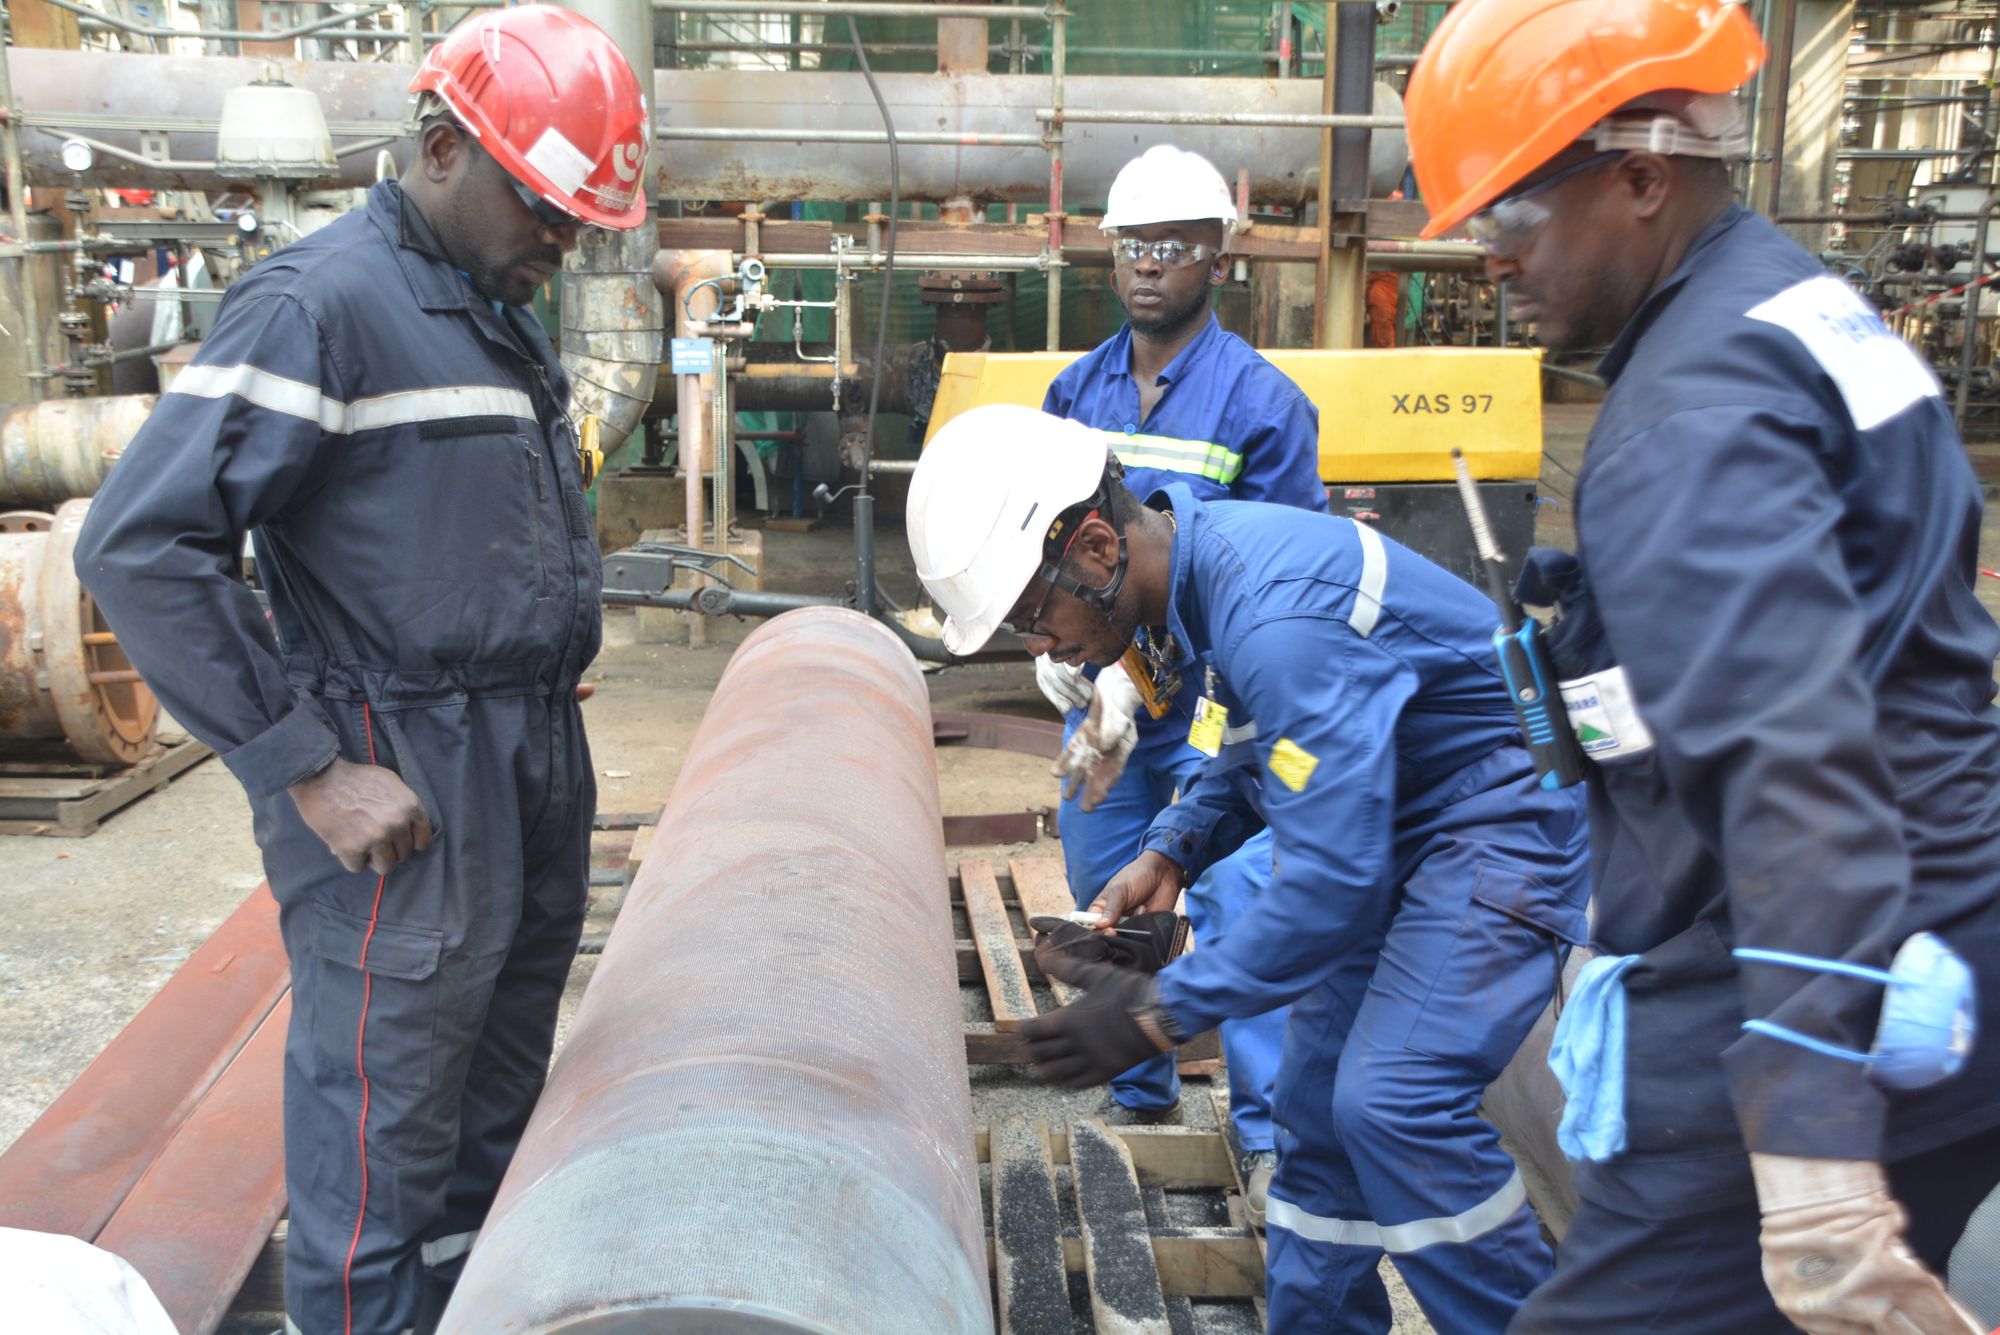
point(399, 449)
point(1777, 531)
point(1425, 890)
point(1229, 425)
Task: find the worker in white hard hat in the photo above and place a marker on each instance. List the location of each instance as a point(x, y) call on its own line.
point(1186, 401)
point(1348, 704)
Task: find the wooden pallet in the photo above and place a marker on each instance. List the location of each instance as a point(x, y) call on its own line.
point(72, 799)
point(998, 954)
point(1142, 1272)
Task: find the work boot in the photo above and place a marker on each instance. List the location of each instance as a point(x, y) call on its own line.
point(1258, 1165)
point(1113, 1113)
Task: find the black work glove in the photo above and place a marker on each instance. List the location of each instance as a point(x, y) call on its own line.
point(1117, 1024)
point(1145, 941)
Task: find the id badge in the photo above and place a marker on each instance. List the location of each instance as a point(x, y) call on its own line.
point(1205, 733)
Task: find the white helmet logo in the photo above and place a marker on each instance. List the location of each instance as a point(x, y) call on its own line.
point(625, 160)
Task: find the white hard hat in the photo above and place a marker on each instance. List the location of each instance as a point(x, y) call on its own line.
point(1168, 184)
point(986, 492)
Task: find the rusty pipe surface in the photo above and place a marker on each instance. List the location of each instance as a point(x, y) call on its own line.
point(59, 449)
point(760, 1121)
point(62, 675)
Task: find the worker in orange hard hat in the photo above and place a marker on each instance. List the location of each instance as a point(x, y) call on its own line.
point(376, 402)
point(1784, 1067)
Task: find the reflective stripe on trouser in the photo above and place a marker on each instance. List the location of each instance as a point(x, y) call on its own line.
point(466, 967)
point(1380, 1144)
point(1098, 843)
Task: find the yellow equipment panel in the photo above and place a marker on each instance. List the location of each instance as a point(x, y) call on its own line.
point(1385, 414)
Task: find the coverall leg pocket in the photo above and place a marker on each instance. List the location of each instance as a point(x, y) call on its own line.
point(374, 1015)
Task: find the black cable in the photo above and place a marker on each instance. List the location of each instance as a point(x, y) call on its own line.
point(888, 254)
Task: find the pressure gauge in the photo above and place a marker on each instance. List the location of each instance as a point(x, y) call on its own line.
point(76, 155)
point(246, 223)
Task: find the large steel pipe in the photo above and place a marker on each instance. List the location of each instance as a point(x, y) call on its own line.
point(63, 678)
point(760, 1122)
point(59, 449)
point(111, 97)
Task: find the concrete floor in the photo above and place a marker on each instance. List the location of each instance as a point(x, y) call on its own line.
point(91, 928)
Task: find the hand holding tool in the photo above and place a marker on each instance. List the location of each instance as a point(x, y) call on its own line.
point(1117, 1024)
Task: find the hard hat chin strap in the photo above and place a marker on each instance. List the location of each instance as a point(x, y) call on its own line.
point(1101, 598)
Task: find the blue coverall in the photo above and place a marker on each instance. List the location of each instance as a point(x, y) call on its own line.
point(1229, 425)
point(399, 449)
point(1778, 536)
point(1426, 888)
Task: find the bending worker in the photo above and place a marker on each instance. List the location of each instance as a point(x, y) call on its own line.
point(377, 404)
point(1425, 885)
point(1797, 762)
point(1184, 401)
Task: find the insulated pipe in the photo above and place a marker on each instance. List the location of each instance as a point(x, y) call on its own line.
point(63, 678)
point(611, 317)
point(760, 1122)
point(612, 329)
point(59, 449)
point(113, 97)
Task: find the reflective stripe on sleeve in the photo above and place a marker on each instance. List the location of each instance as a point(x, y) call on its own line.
point(1374, 576)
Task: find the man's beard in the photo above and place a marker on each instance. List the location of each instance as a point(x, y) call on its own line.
point(1171, 320)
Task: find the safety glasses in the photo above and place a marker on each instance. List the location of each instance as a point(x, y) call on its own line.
point(1168, 254)
point(547, 214)
point(1508, 226)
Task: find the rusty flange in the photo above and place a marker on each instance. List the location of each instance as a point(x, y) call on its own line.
point(63, 677)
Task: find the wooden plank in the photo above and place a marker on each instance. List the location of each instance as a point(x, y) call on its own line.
point(970, 970)
point(197, 1220)
point(1209, 1262)
point(642, 844)
point(59, 803)
point(1006, 981)
point(1027, 1233)
point(1042, 887)
point(1125, 1297)
point(988, 1046)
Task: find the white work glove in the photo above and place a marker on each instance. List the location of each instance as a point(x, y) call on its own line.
point(1098, 749)
point(1066, 687)
point(1834, 1255)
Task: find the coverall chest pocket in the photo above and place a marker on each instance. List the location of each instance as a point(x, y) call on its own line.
point(496, 500)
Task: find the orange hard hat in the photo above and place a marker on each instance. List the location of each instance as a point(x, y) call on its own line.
point(1505, 85)
point(548, 94)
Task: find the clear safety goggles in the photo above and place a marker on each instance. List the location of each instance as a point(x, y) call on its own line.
point(1167, 254)
point(1507, 227)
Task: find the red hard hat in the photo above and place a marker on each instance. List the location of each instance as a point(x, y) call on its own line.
point(1505, 85)
point(548, 94)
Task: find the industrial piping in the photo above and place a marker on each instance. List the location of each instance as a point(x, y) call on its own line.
point(59, 449)
point(760, 1122)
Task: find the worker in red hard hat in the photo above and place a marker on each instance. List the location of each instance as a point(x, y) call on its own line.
point(378, 407)
point(1784, 1068)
